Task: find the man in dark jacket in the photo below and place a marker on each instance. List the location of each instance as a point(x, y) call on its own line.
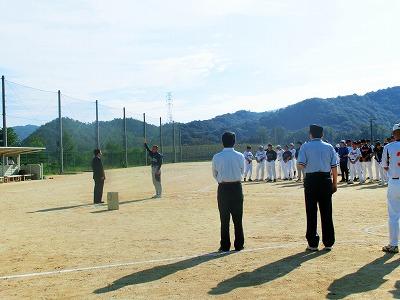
point(156, 162)
point(98, 176)
point(343, 153)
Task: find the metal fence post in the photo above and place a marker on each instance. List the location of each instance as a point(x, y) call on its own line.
point(97, 130)
point(125, 141)
point(174, 140)
point(161, 140)
point(60, 127)
point(145, 137)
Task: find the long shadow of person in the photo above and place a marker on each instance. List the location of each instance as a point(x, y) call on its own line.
point(159, 272)
point(396, 292)
point(265, 273)
point(368, 278)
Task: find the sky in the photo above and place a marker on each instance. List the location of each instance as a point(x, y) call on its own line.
point(214, 56)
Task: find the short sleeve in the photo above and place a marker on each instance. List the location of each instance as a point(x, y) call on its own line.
point(334, 160)
point(302, 159)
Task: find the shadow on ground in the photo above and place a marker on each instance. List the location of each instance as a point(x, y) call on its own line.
point(396, 291)
point(265, 273)
point(368, 278)
point(159, 272)
point(86, 205)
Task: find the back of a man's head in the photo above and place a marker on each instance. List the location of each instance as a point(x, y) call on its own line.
point(316, 131)
point(228, 139)
point(96, 152)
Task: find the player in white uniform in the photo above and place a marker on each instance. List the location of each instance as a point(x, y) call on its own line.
point(279, 158)
point(391, 163)
point(248, 157)
point(261, 159)
point(355, 167)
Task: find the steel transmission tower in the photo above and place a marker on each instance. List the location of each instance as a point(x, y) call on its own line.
point(170, 118)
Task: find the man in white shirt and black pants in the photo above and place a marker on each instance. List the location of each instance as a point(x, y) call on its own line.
point(228, 168)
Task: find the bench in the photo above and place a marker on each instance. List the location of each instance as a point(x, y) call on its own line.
point(26, 177)
point(12, 178)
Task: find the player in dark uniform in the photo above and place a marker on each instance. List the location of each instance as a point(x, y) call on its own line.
point(156, 162)
point(366, 160)
point(343, 153)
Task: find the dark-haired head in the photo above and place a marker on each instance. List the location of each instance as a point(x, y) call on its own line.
point(96, 152)
point(228, 139)
point(316, 131)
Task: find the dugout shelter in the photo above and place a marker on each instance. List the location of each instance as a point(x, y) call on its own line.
point(11, 168)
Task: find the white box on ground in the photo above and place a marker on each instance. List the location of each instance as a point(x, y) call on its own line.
point(112, 201)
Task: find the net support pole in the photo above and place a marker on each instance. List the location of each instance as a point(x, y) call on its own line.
point(3, 101)
point(60, 128)
point(174, 140)
point(97, 130)
point(180, 145)
point(145, 137)
point(125, 140)
point(161, 140)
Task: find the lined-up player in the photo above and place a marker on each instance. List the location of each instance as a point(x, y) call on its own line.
point(391, 163)
point(248, 158)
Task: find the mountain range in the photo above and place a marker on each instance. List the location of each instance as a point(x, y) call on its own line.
point(343, 117)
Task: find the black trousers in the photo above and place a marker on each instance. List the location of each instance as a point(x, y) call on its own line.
point(230, 202)
point(344, 170)
point(318, 193)
point(98, 190)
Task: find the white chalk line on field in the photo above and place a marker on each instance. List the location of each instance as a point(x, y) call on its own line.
point(371, 230)
point(152, 261)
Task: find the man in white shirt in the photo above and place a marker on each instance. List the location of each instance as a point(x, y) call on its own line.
point(355, 166)
point(228, 168)
point(261, 163)
point(391, 163)
point(279, 153)
point(248, 156)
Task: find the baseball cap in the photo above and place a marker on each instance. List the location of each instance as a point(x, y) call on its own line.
point(278, 146)
point(396, 127)
point(343, 141)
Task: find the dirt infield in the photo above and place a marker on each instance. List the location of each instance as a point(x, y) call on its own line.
point(54, 244)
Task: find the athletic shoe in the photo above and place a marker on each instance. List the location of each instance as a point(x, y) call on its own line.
point(390, 249)
point(312, 249)
point(244, 180)
point(327, 249)
point(362, 182)
point(274, 180)
point(239, 249)
point(250, 180)
point(350, 182)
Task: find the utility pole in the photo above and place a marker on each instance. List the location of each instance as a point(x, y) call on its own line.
point(125, 141)
point(371, 128)
point(60, 127)
point(97, 132)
